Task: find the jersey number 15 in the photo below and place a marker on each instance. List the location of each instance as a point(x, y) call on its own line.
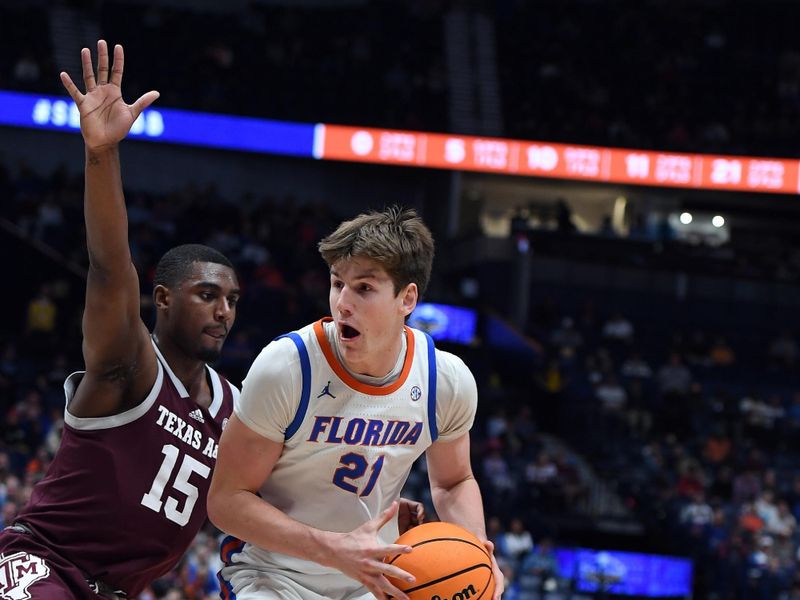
point(189, 465)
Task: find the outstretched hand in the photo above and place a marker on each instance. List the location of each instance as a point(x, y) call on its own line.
point(359, 554)
point(105, 118)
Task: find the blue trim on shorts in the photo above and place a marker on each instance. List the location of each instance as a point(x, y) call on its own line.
point(228, 547)
point(432, 388)
point(234, 544)
point(305, 367)
point(225, 588)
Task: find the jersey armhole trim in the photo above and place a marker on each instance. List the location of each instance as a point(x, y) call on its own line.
point(123, 418)
point(216, 391)
point(305, 369)
point(432, 388)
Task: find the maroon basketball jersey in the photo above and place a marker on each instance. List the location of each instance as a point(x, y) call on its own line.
point(126, 494)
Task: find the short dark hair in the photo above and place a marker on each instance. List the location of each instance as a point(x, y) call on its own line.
point(176, 264)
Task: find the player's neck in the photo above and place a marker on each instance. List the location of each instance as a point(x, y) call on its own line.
point(189, 370)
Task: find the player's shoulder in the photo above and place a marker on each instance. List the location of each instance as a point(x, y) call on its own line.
point(455, 381)
point(281, 353)
point(448, 360)
point(451, 367)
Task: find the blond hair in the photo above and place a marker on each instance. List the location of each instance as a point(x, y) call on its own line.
point(396, 238)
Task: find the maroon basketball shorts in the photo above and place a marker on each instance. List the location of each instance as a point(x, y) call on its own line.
point(29, 569)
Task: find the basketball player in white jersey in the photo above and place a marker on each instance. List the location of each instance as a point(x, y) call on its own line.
point(330, 421)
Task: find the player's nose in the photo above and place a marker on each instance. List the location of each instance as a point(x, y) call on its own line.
point(223, 311)
point(343, 304)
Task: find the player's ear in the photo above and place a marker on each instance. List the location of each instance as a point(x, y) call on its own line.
point(409, 296)
point(161, 297)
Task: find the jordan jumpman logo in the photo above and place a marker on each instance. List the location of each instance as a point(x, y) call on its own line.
point(326, 391)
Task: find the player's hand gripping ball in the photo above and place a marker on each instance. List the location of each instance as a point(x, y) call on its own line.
point(449, 562)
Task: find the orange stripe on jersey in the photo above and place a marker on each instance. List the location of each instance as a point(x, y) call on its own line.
point(351, 381)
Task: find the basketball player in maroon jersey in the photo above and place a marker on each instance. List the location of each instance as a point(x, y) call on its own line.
point(126, 492)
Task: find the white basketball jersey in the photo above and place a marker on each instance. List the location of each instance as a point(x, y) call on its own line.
point(350, 447)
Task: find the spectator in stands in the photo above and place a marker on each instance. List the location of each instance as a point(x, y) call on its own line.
point(697, 516)
point(612, 395)
point(717, 448)
point(572, 487)
point(697, 349)
point(618, 328)
point(26, 72)
point(498, 474)
point(784, 524)
point(721, 354)
point(749, 519)
point(692, 482)
point(746, 486)
point(567, 339)
point(564, 222)
point(635, 367)
point(674, 378)
point(517, 541)
point(42, 313)
point(540, 569)
point(607, 228)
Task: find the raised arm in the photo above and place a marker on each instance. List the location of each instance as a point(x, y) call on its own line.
point(120, 363)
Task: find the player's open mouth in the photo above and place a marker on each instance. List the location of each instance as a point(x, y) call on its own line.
point(347, 332)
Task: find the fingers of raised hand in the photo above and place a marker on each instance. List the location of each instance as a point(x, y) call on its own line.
point(118, 66)
point(102, 62)
point(71, 88)
point(88, 70)
point(143, 102)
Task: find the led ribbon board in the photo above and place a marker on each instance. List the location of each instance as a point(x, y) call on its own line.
point(175, 126)
point(420, 149)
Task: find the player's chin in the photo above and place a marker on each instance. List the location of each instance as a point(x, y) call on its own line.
point(210, 353)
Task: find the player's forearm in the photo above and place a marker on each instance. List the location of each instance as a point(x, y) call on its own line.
point(104, 212)
point(461, 504)
point(247, 517)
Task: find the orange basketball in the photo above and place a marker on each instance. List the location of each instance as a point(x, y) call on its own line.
point(449, 562)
